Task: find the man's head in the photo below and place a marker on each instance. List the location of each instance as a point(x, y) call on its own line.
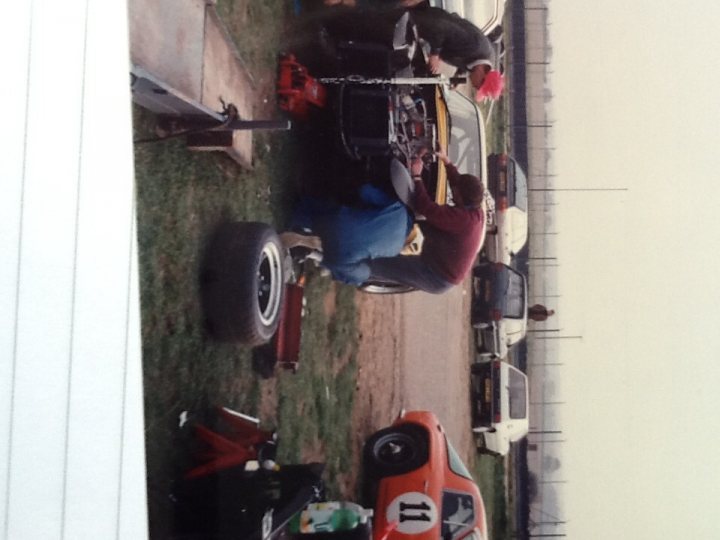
point(471, 190)
point(477, 75)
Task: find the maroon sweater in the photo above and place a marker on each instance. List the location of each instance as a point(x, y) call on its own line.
point(453, 234)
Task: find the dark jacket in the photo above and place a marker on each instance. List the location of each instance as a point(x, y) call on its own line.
point(456, 40)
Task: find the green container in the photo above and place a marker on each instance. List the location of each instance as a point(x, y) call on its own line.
point(332, 516)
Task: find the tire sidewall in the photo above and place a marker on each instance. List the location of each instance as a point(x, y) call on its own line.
point(410, 435)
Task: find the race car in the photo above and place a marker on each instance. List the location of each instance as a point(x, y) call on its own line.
point(420, 486)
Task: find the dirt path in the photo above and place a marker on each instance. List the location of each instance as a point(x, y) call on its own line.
point(413, 354)
point(435, 366)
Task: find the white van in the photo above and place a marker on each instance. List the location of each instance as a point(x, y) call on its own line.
point(500, 406)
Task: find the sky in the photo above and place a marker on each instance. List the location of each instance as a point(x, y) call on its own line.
point(635, 105)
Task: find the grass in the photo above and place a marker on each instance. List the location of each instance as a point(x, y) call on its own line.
point(181, 196)
point(490, 472)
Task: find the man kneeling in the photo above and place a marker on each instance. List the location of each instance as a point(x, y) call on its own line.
point(453, 235)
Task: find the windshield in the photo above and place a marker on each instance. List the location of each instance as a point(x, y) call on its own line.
point(467, 136)
point(455, 463)
point(518, 394)
point(458, 514)
point(518, 187)
point(514, 296)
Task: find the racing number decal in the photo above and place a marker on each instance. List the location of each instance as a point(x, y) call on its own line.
point(414, 512)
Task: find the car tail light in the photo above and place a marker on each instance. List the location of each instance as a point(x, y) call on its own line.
point(495, 314)
point(497, 418)
point(498, 267)
point(503, 159)
point(502, 203)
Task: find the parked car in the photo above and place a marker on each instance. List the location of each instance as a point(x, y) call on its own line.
point(499, 308)
point(508, 185)
point(422, 489)
point(500, 406)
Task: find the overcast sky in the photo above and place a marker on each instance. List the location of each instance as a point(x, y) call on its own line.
point(636, 105)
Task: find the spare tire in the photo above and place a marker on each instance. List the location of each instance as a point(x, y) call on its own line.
point(242, 283)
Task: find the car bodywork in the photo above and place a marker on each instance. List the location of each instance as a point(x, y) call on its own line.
point(508, 185)
point(434, 496)
point(499, 308)
point(500, 405)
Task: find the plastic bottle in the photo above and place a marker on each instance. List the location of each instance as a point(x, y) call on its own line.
point(329, 516)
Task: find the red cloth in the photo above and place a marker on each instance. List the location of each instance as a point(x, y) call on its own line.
point(452, 233)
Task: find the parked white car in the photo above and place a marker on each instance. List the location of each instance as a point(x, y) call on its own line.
point(499, 308)
point(500, 406)
point(508, 185)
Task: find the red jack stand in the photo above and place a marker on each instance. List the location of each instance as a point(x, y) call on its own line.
point(297, 90)
point(287, 338)
point(241, 442)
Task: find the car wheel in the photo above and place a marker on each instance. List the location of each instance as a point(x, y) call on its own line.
point(242, 283)
point(396, 450)
point(484, 354)
point(478, 367)
point(385, 287)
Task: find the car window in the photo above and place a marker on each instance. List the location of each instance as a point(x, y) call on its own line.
point(519, 186)
point(455, 463)
point(467, 135)
point(458, 514)
point(517, 394)
point(515, 296)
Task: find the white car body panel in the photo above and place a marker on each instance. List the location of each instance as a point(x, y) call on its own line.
point(508, 430)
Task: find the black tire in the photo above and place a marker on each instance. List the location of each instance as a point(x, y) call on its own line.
point(242, 283)
point(384, 287)
point(395, 450)
point(477, 368)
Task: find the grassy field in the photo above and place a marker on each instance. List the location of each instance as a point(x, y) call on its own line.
point(181, 197)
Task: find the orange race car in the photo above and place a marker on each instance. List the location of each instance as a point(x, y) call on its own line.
point(422, 489)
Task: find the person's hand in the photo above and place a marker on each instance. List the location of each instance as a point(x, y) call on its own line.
point(417, 164)
point(434, 63)
point(416, 167)
point(442, 156)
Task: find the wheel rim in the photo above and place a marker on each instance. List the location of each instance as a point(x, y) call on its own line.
point(269, 283)
point(394, 449)
point(373, 287)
